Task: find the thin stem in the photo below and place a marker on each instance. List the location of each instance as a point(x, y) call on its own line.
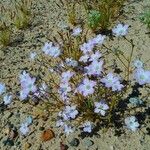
point(116, 56)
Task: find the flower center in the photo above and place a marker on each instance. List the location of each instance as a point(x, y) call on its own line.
point(142, 77)
point(109, 80)
point(88, 87)
point(101, 107)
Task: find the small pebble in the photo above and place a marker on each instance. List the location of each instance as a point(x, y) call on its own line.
point(12, 134)
point(47, 135)
point(74, 142)
point(7, 131)
point(8, 115)
point(27, 146)
point(88, 143)
point(8, 142)
point(41, 128)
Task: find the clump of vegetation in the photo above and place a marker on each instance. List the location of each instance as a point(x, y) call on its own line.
point(5, 27)
point(71, 11)
point(145, 18)
point(94, 18)
point(22, 16)
point(102, 12)
point(5, 35)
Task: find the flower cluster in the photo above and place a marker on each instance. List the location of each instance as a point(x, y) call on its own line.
point(65, 88)
point(70, 112)
point(88, 47)
point(51, 50)
point(112, 81)
point(86, 86)
point(27, 85)
point(24, 127)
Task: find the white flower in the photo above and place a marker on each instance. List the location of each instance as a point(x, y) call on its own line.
point(55, 51)
point(65, 77)
point(87, 87)
point(95, 56)
point(64, 88)
point(117, 86)
point(51, 70)
point(87, 47)
point(95, 68)
point(23, 94)
point(64, 98)
point(24, 76)
point(47, 48)
point(33, 55)
point(101, 107)
point(132, 123)
point(138, 64)
point(43, 88)
point(99, 39)
point(84, 58)
point(120, 30)
point(70, 112)
point(28, 120)
point(76, 31)
point(142, 76)
point(68, 129)
point(24, 129)
point(7, 99)
point(71, 62)
point(2, 88)
point(59, 123)
point(87, 127)
point(51, 50)
point(28, 85)
point(112, 81)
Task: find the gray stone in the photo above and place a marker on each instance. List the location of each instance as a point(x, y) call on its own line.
point(74, 142)
point(88, 143)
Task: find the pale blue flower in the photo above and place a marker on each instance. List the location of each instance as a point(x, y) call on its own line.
point(24, 129)
point(120, 30)
point(33, 55)
point(2, 88)
point(68, 129)
point(135, 101)
point(87, 127)
point(29, 120)
point(101, 107)
point(7, 99)
point(132, 123)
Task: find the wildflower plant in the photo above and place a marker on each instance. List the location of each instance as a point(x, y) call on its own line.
point(79, 85)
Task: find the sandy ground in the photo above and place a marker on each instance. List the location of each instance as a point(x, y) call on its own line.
point(15, 58)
